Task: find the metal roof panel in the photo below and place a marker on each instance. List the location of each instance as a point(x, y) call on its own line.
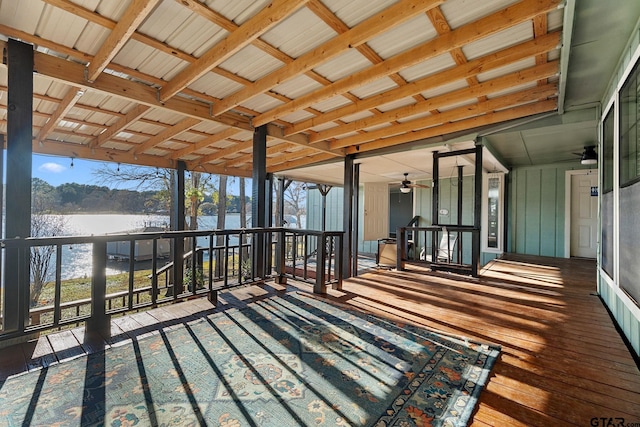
point(299, 33)
point(251, 63)
point(355, 11)
point(426, 68)
point(403, 37)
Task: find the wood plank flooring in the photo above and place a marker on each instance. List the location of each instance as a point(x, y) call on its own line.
point(562, 360)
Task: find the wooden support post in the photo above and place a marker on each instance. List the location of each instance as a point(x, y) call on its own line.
point(259, 199)
point(99, 322)
point(18, 186)
point(355, 229)
point(281, 279)
point(477, 212)
point(179, 224)
point(320, 286)
point(347, 217)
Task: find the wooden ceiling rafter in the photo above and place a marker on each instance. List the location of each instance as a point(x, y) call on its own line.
point(216, 18)
point(440, 23)
point(273, 167)
point(483, 64)
point(73, 73)
point(340, 27)
point(228, 118)
point(204, 143)
point(382, 120)
point(479, 91)
point(481, 28)
point(223, 152)
point(359, 34)
point(135, 14)
point(236, 40)
point(443, 119)
point(133, 115)
point(167, 134)
point(540, 28)
point(66, 104)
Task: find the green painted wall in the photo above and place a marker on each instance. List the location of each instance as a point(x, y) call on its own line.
point(536, 215)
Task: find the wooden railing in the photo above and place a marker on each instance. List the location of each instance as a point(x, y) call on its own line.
point(454, 248)
point(209, 261)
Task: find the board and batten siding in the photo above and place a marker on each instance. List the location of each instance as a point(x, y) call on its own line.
point(537, 210)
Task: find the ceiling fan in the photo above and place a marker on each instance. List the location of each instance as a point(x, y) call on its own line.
point(406, 185)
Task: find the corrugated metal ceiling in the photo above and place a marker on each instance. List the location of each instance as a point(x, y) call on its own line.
point(221, 65)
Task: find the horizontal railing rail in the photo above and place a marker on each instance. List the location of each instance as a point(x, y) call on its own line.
point(210, 261)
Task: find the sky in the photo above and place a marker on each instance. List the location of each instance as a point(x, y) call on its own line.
point(58, 170)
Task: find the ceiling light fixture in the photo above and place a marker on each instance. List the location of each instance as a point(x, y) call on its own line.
point(404, 189)
point(589, 155)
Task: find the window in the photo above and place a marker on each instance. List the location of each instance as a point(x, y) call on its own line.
point(606, 205)
point(492, 212)
point(629, 123)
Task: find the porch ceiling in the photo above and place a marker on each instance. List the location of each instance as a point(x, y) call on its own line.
point(151, 82)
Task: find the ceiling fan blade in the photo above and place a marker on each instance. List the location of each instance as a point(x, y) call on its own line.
point(418, 186)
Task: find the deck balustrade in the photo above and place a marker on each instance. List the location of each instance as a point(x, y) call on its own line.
point(213, 260)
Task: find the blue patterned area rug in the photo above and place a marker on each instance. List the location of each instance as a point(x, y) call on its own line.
point(290, 360)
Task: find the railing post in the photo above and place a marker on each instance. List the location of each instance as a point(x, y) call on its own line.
point(321, 287)
point(401, 253)
point(99, 322)
point(338, 262)
point(280, 259)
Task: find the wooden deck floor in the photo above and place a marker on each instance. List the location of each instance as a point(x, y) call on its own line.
point(562, 360)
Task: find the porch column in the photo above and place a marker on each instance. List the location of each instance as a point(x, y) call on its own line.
point(18, 186)
point(178, 223)
point(347, 216)
point(356, 228)
point(477, 212)
point(259, 199)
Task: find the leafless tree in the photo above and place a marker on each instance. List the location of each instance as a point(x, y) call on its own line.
point(295, 197)
point(43, 224)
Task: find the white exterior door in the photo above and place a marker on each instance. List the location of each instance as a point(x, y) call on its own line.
point(376, 211)
point(584, 215)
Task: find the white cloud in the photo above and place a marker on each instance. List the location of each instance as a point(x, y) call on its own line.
point(51, 167)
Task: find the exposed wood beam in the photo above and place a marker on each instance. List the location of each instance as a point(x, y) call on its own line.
point(248, 158)
point(359, 34)
point(274, 167)
point(133, 115)
point(539, 29)
point(442, 26)
point(483, 64)
point(462, 125)
point(223, 152)
point(72, 73)
point(283, 156)
point(67, 103)
point(479, 91)
point(218, 170)
point(278, 133)
point(441, 121)
point(135, 14)
point(230, 119)
point(483, 27)
point(206, 142)
point(244, 35)
point(166, 134)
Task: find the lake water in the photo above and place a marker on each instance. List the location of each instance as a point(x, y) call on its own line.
point(76, 259)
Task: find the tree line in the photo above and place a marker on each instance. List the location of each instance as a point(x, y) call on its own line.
point(84, 198)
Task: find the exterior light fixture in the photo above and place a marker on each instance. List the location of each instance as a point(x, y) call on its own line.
point(589, 155)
